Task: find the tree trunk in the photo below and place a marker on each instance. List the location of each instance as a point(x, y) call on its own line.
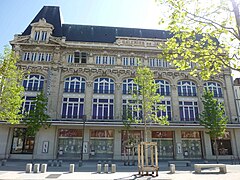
point(216, 149)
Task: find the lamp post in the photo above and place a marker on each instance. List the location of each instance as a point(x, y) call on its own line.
point(83, 128)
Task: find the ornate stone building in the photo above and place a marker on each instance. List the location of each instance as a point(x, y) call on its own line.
point(87, 73)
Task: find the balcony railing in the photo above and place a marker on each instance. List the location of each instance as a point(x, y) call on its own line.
point(33, 88)
point(187, 94)
point(74, 90)
point(106, 91)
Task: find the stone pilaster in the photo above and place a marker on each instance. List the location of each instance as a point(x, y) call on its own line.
point(175, 103)
point(88, 99)
point(118, 101)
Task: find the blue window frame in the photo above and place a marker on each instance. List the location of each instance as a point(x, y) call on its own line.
point(187, 88)
point(103, 86)
point(188, 110)
point(33, 82)
point(74, 84)
point(73, 108)
point(215, 88)
point(103, 109)
point(163, 87)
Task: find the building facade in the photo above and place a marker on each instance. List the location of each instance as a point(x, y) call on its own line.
point(87, 74)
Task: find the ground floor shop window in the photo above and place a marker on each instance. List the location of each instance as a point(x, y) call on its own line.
point(224, 145)
point(69, 143)
point(101, 144)
point(132, 137)
point(164, 141)
point(21, 143)
point(191, 144)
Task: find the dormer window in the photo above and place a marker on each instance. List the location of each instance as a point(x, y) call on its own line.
point(41, 31)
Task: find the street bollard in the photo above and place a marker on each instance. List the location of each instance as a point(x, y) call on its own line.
point(4, 161)
point(43, 168)
point(28, 168)
point(71, 168)
point(113, 170)
point(105, 168)
point(99, 168)
point(36, 168)
point(172, 168)
point(60, 163)
point(50, 162)
point(55, 163)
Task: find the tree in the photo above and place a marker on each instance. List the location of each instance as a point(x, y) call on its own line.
point(37, 117)
point(213, 118)
point(204, 33)
point(148, 97)
point(11, 89)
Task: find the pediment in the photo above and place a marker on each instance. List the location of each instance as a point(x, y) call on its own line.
point(42, 24)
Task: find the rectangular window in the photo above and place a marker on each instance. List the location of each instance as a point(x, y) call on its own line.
point(48, 57)
point(73, 108)
point(105, 60)
point(44, 36)
point(76, 57)
point(130, 61)
point(154, 62)
point(84, 57)
point(167, 111)
point(70, 58)
point(37, 35)
point(28, 104)
point(132, 109)
point(188, 111)
point(102, 109)
point(26, 56)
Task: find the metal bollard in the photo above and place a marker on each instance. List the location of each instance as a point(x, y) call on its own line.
point(4, 161)
point(50, 162)
point(105, 168)
point(55, 163)
point(113, 170)
point(99, 168)
point(60, 163)
point(43, 168)
point(36, 168)
point(71, 168)
point(172, 168)
point(28, 168)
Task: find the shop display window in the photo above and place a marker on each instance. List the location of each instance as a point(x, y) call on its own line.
point(164, 141)
point(101, 144)
point(131, 137)
point(21, 143)
point(224, 145)
point(69, 143)
point(191, 144)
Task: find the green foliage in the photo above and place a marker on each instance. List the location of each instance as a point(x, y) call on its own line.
point(11, 89)
point(37, 118)
point(204, 32)
point(213, 116)
point(148, 97)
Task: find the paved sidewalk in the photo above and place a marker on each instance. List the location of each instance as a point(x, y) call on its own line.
point(16, 170)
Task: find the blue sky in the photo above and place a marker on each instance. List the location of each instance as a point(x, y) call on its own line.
point(15, 15)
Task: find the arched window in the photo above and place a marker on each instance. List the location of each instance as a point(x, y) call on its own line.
point(74, 84)
point(163, 87)
point(33, 82)
point(187, 88)
point(129, 87)
point(104, 86)
point(215, 88)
